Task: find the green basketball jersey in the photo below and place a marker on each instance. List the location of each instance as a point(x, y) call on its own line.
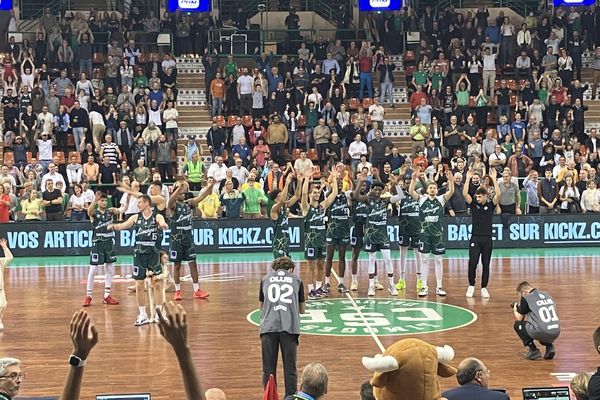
point(314, 227)
point(338, 218)
point(181, 223)
point(147, 235)
point(376, 225)
point(410, 216)
point(100, 226)
point(281, 236)
point(359, 211)
point(432, 211)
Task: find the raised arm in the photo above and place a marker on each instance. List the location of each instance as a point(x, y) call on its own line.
point(356, 195)
point(304, 200)
point(494, 176)
point(465, 191)
point(124, 225)
point(413, 184)
point(181, 188)
point(8, 256)
point(450, 192)
point(284, 193)
point(202, 195)
point(92, 206)
point(334, 188)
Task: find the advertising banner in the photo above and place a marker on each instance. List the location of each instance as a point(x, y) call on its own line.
point(188, 5)
point(240, 235)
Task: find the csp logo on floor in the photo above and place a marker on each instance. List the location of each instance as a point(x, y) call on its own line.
point(386, 317)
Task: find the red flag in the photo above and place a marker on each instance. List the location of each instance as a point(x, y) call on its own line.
point(271, 389)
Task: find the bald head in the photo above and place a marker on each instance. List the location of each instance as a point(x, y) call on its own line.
point(215, 394)
point(471, 369)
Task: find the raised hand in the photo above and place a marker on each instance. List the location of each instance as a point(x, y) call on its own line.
point(83, 334)
point(173, 325)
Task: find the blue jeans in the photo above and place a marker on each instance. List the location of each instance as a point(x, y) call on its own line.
point(504, 110)
point(292, 141)
point(78, 136)
point(386, 90)
point(309, 132)
point(217, 105)
point(365, 79)
point(85, 65)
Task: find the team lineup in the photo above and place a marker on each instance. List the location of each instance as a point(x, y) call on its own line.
point(335, 220)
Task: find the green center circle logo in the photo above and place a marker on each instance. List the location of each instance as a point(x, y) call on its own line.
point(384, 317)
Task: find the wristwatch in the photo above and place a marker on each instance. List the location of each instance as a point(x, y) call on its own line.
point(76, 361)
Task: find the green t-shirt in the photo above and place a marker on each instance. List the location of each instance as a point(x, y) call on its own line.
point(230, 68)
point(420, 77)
point(462, 98)
point(436, 79)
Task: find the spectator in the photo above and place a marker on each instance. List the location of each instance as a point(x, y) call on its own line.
point(52, 201)
point(210, 206)
point(548, 193)
point(164, 157)
point(510, 197)
point(278, 138)
point(531, 186)
point(313, 382)
point(590, 198)
point(10, 370)
point(569, 197)
point(217, 93)
point(231, 200)
point(74, 171)
point(473, 377)
point(254, 197)
point(31, 206)
point(579, 386)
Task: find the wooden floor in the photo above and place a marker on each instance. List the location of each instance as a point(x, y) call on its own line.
point(226, 346)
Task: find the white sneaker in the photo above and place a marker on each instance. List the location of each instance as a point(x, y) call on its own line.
point(141, 320)
point(440, 291)
point(424, 291)
point(1, 326)
point(371, 291)
point(354, 286)
point(378, 285)
point(392, 289)
point(470, 291)
point(484, 293)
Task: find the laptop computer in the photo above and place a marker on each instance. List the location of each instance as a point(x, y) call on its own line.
point(138, 396)
point(547, 393)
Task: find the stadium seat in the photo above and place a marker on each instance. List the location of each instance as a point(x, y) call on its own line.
point(231, 121)
point(75, 154)
point(295, 154)
point(60, 155)
point(70, 140)
point(302, 121)
point(247, 121)
point(301, 138)
point(367, 102)
point(353, 104)
point(472, 101)
point(312, 155)
point(8, 157)
point(317, 172)
point(409, 55)
point(29, 157)
point(99, 58)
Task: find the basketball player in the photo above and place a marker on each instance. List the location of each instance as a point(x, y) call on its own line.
point(157, 296)
point(410, 227)
point(159, 203)
point(431, 235)
point(337, 236)
point(181, 241)
point(281, 300)
point(375, 235)
point(537, 319)
point(314, 231)
point(148, 237)
point(481, 245)
point(103, 247)
point(279, 215)
point(4, 261)
point(359, 218)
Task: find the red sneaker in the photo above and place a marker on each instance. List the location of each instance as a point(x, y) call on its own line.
point(87, 301)
point(177, 295)
point(111, 301)
point(200, 294)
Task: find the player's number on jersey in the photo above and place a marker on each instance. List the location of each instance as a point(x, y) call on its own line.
point(548, 314)
point(280, 293)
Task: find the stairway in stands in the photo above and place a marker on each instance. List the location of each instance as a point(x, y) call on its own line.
point(592, 115)
point(194, 118)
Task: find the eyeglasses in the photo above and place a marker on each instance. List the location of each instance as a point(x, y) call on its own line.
point(14, 376)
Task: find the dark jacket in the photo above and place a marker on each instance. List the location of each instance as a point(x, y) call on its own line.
point(594, 386)
point(390, 67)
point(473, 392)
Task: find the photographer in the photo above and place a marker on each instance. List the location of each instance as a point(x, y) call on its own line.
point(537, 319)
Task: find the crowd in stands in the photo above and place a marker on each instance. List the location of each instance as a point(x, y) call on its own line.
point(482, 93)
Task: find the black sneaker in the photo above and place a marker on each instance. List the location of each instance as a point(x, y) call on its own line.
point(550, 352)
point(342, 288)
point(312, 295)
point(320, 293)
point(533, 354)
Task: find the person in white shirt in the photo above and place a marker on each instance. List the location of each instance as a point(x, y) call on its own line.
point(377, 112)
point(489, 71)
point(5, 177)
point(217, 171)
point(523, 65)
point(244, 91)
point(343, 119)
point(128, 204)
point(46, 120)
point(45, 145)
point(88, 194)
point(303, 164)
point(590, 198)
point(356, 150)
point(237, 132)
point(170, 116)
point(74, 172)
point(239, 171)
point(53, 176)
point(97, 126)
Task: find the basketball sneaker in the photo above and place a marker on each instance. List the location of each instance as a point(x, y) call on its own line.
point(533, 354)
point(550, 352)
point(471, 291)
point(312, 295)
point(401, 285)
point(420, 284)
point(342, 289)
point(141, 320)
point(87, 301)
point(111, 301)
point(378, 285)
point(178, 295)
point(484, 293)
point(440, 291)
point(326, 288)
point(1, 326)
point(354, 286)
point(371, 291)
point(392, 289)
point(200, 294)
point(424, 291)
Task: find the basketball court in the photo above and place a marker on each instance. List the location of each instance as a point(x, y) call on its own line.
point(43, 293)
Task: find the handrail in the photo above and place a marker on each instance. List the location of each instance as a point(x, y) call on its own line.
point(27, 23)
